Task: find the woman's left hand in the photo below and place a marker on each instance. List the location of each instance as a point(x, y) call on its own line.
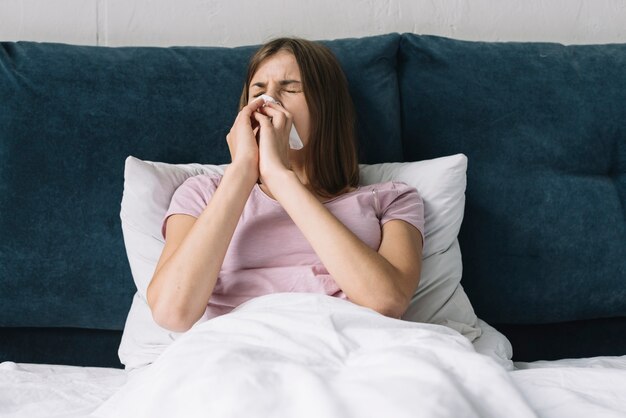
point(275, 124)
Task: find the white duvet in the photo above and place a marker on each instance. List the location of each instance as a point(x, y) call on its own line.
point(306, 355)
point(425, 369)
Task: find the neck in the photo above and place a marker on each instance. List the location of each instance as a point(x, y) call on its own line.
point(298, 168)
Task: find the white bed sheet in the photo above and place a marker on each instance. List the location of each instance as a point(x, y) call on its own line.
point(55, 391)
point(591, 387)
point(563, 388)
point(573, 388)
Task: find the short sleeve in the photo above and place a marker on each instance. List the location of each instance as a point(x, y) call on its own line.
point(402, 202)
point(191, 197)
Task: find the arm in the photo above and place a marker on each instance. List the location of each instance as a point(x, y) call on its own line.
point(185, 275)
point(385, 280)
point(194, 251)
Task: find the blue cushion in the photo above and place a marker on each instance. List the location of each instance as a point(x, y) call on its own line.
point(70, 115)
point(70, 346)
point(543, 126)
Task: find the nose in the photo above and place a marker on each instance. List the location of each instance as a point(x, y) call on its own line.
point(274, 92)
point(269, 99)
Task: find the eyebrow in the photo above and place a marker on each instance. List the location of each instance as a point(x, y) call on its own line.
point(282, 83)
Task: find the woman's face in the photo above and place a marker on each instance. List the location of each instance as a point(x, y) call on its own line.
point(279, 76)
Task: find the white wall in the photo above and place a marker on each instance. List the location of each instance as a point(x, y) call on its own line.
point(245, 22)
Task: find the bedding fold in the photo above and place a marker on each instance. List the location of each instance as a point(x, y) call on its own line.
point(312, 355)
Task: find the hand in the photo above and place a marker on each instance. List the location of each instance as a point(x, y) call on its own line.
point(275, 124)
point(242, 143)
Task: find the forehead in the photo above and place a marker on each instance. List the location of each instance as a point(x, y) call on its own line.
point(281, 65)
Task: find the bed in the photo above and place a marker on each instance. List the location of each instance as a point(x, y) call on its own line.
point(517, 148)
point(256, 385)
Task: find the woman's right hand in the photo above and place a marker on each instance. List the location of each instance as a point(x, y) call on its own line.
point(242, 142)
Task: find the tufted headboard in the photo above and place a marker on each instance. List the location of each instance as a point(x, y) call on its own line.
point(70, 116)
point(544, 129)
point(543, 126)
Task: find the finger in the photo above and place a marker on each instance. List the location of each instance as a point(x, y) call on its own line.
point(254, 123)
point(247, 111)
point(279, 114)
point(277, 107)
point(262, 119)
point(252, 106)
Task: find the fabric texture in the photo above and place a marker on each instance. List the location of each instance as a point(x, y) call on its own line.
point(591, 387)
point(148, 190)
point(542, 124)
point(347, 361)
point(269, 254)
point(150, 186)
point(71, 114)
point(440, 298)
point(543, 233)
point(66, 346)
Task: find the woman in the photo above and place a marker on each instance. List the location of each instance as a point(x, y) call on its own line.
point(285, 220)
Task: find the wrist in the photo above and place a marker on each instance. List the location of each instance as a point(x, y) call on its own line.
point(279, 180)
point(246, 172)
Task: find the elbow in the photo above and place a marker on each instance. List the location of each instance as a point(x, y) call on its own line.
point(165, 316)
point(171, 320)
point(391, 311)
point(395, 304)
point(394, 307)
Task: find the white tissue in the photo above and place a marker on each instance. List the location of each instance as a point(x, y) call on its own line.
point(294, 139)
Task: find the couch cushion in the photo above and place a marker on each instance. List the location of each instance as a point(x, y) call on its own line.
point(544, 129)
point(70, 116)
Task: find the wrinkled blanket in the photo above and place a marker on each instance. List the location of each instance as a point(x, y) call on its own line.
point(308, 355)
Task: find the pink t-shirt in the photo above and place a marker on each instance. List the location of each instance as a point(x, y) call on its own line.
point(269, 254)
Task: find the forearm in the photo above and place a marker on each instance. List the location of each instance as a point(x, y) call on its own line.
point(186, 281)
point(365, 276)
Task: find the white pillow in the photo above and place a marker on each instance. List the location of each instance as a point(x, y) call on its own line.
point(441, 183)
point(494, 344)
point(440, 298)
point(148, 189)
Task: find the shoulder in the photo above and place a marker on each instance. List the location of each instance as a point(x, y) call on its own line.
point(204, 178)
point(201, 181)
point(392, 188)
point(398, 200)
point(395, 195)
point(201, 185)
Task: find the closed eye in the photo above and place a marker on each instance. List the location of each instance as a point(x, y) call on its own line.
point(288, 91)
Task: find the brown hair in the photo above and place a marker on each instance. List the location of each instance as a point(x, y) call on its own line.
point(330, 159)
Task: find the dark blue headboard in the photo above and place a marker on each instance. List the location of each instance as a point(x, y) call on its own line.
point(543, 126)
point(70, 116)
point(544, 233)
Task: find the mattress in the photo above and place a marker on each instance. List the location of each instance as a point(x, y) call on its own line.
point(591, 387)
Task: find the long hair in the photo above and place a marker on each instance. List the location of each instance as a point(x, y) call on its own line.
point(330, 159)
